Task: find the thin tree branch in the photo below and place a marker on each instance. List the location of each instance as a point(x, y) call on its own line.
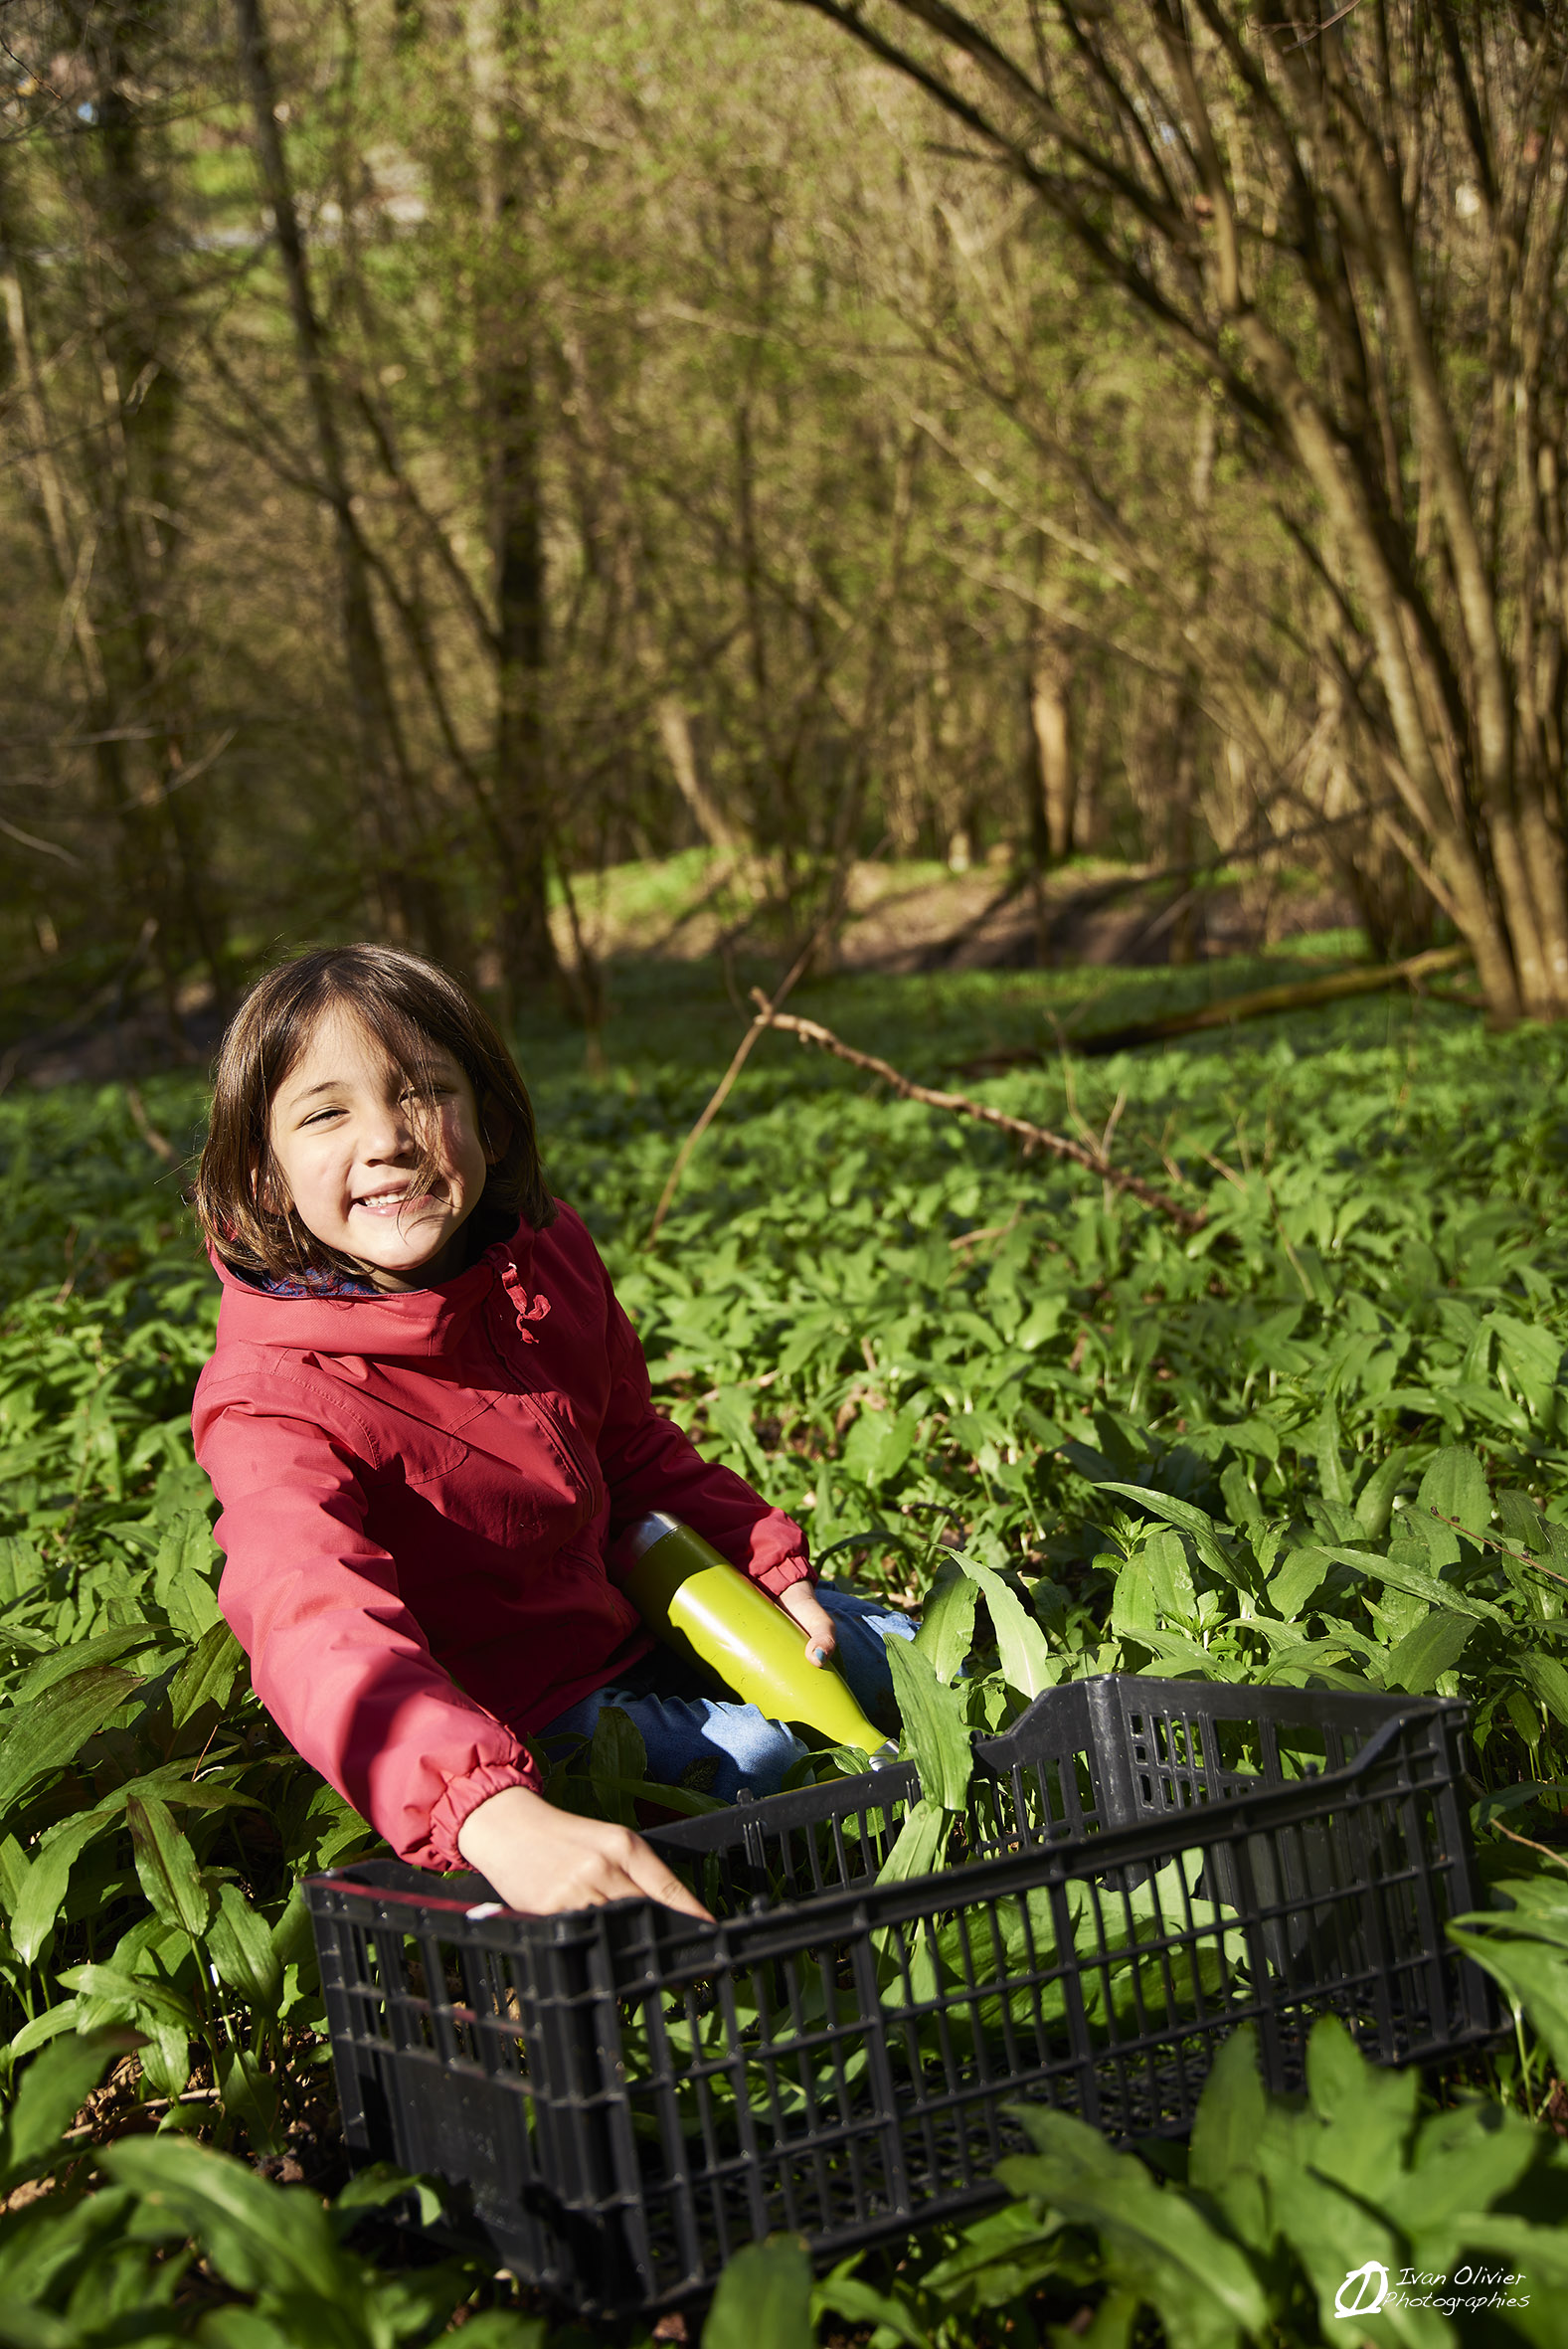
point(1093, 1160)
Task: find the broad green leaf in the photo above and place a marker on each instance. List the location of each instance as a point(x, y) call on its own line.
point(1454, 1486)
point(1533, 1355)
point(240, 1944)
point(1187, 1519)
point(50, 1730)
point(1132, 1611)
point(1165, 1560)
point(617, 1756)
point(763, 2299)
point(1418, 1660)
point(1374, 1503)
point(1547, 1681)
point(860, 2304)
point(1296, 1582)
point(260, 2237)
point(879, 1443)
point(170, 1876)
point(1331, 1466)
point(13, 1874)
point(1020, 1643)
point(1368, 2114)
point(80, 1656)
point(1400, 1576)
point(946, 1628)
point(935, 1731)
point(55, 2086)
point(46, 1885)
point(1177, 2253)
point(250, 2096)
point(921, 1846)
point(148, 1999)
point(1225, 2134)
point(51, 2023)
point(207, 1677)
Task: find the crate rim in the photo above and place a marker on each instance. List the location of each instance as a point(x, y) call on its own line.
point(812, 1917)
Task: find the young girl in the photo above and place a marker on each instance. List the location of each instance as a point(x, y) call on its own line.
point(428, 1421)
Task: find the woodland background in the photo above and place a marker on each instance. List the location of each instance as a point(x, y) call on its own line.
point(448, 451)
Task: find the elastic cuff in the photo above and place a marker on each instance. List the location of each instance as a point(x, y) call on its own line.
point(775, 1581)
point(464, 1795)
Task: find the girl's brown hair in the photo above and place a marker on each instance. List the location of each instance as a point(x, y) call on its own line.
point(409, 1006)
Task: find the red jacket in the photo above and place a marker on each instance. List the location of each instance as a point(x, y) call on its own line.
point(419, 1492)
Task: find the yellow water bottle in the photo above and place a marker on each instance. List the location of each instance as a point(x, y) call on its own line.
point(699, 1604)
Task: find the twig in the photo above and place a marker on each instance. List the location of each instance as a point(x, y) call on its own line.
point(1528, 1842)
point(722, 1090)
point(159, 1143)
point(1032, 1137)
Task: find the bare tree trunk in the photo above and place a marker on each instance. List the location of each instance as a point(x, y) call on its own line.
point(675, 734)
point(111, 543)
point(1346, 341)
point(507, 368)
point(404, 862)
point(1050, 718)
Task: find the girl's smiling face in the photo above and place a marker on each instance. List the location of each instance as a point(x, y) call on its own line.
point(349, 1132)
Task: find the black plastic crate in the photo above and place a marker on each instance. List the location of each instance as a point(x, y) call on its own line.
point(621, 2098)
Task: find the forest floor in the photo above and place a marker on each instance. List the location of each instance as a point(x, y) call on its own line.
point(915, 916)
point(702, 908)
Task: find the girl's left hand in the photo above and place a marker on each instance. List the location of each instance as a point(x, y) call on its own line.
point(801, 1601)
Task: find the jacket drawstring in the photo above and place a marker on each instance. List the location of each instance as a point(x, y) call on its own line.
point(527, 1309)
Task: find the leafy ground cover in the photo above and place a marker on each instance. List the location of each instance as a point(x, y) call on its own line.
point(1322, 1439)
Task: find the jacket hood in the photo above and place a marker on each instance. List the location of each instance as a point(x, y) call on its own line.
point(413, 1324)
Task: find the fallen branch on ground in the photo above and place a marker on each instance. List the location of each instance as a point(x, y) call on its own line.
point(1296, 994)
point(959, 1105)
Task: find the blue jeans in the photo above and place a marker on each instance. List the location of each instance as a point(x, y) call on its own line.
point(746, 1748)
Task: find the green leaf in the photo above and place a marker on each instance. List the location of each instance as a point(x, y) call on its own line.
point(204, 1680)
point(1547, 1681)
point(921, 1846)
point(1182, 2261)
point(155, 2001)
point(763, 2299)
point(1132, 1611)
point(258, 2236)
point(1331, 1467)
point(250, 2095)
point(1165, 1560)
point(1222, 2161)
point(859, 2303)
point(170, 1877)
point(1432, 1647)
point(1187, 1519)
point(46, 1885)
point(879, 1443)
point(1020, 1643)
point(1525, 1948)
point(55, 2086)
point(947, 1627)
point(1296, 1580)
point(1456, 1487)
point(50, 1730)
point(616, 1757)
point(935, 1731)
point(240, 1944)
point(1374, 1504)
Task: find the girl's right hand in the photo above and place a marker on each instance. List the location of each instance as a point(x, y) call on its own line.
point(541, 1859)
